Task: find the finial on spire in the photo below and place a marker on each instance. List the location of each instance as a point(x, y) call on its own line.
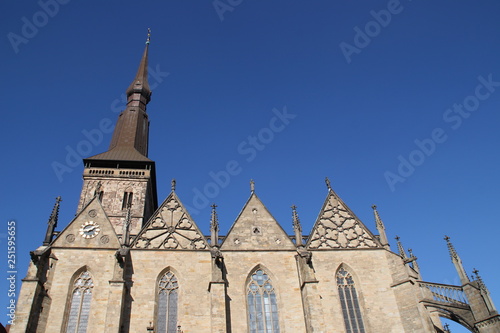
point(328, 185)
point(172, 184)
point(52, 223)
point(401, 249)
point(380, 228)
point(214, 227)
point(252, 185)
point(455, 259)
point(148, 40)
point(296, 226)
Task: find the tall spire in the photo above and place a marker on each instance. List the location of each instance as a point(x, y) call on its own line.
point(297, 228)
point(214, 227)
point(139, 88)
point(52, 223)
point(455, 259)
point(130, 137)
point(381, 228)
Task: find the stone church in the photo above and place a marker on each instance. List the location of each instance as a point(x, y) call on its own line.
point(127, 264)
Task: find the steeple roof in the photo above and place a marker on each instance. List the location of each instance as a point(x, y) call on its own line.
point(130, 137)
point(140, 83)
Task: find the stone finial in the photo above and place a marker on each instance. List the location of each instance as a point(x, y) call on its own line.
point(380, 228)
point(401, 249)
point(252, 185)
point(414, 261)
point(297, 228)
point(148, 40)
point(485, 292)
point(52, 222)
point(172, 184)
point(455, 259)
point(214, 227)
point(328, 185)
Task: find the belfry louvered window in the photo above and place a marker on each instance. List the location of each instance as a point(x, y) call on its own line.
point(349, 301)
point(167, 304)
point(79, 310)
point(262, 304)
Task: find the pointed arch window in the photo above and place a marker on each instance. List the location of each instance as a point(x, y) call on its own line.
point(79, 308)
point(349, 302)
point(262, 304)
point(167, 303)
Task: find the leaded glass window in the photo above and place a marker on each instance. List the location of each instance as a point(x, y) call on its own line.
point(167, 304)
point(349, 301)
point(262, 304)
point(80, 304)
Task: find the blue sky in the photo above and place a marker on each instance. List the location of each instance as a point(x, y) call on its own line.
point(378, 112)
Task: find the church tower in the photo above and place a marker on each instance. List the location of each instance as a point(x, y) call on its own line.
point(123, 178)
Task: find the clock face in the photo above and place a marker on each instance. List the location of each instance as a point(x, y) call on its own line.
point(89, 229)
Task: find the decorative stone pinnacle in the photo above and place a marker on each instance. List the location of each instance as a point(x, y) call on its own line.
point(295, 218)
point(173, 183)
point(148, 40)
point(252, 185)
point(328, 185)
point(52, 223)
point(451, 248)
point(401, 249)
point(214, 222)
point(55, 212)
point(297, 227)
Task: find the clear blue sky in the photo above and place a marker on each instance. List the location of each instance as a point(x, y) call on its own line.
point(360, 101)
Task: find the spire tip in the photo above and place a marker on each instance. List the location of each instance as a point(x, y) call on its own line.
point(148, 40)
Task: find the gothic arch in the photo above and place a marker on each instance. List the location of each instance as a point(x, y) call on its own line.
point(72, 288)
point(167, 294)
point(262, 297)
point(451, 315)
point(349, 293)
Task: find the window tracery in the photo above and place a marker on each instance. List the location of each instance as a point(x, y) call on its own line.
point(349, 301)
point(79, 310)
point(262, 304)
point(167, 303)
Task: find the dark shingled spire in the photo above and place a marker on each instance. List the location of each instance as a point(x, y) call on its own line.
point(140, 84)
point(130, 137)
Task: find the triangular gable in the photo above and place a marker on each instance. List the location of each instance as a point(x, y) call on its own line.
point(256, 229)
point(91, 228)
point(170, 227)
point(337, 227)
